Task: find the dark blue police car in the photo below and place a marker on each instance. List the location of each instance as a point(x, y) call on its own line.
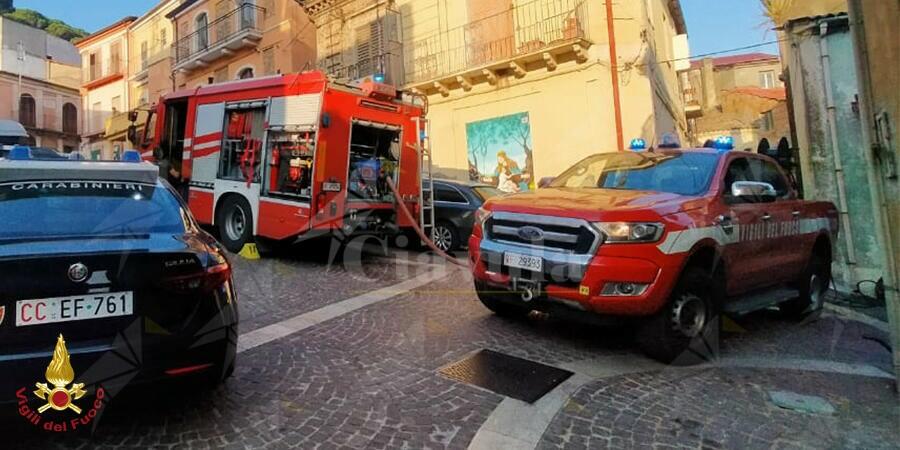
point(105, 280)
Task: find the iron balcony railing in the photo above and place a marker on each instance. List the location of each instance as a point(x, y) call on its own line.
point(244, 18)
point(109, 67)
point(389, 65)
point(523, 29)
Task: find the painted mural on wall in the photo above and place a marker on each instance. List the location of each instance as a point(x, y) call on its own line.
point(500, 152)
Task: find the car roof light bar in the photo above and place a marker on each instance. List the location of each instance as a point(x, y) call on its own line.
point(16, 171)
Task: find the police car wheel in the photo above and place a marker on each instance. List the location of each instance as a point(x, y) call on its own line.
point(812, 288)
point(500, 303)
point(235, 223)
point(686, 330)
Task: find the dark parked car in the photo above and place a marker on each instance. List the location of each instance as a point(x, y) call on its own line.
point(105, 261)
point(454, 213)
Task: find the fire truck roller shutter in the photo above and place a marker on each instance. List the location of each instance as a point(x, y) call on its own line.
point(297, 110)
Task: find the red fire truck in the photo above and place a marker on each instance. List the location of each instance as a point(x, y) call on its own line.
point(288, 156)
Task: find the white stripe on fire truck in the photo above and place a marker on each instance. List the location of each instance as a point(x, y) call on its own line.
point(684, 240)
point(206, 145)
point(188, 142)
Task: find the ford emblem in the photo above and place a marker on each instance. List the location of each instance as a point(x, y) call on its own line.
point(530, 233)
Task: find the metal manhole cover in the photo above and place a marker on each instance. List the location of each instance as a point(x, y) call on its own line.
point(507, 375)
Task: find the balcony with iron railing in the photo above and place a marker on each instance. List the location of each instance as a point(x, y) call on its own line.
point(386, 65)
point(692, 106)
point(235, 30)
point(537, 34)
point(100, 73)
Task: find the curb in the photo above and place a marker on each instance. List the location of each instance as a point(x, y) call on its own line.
point(857, 316)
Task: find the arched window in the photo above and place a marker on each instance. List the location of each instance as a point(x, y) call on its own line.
point(70, 119)
point(27, 115)
point(245, 73)
point(201, 30)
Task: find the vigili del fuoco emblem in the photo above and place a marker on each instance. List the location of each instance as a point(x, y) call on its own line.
point(60, 374)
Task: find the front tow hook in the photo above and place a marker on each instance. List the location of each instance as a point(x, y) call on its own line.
point(527, 295)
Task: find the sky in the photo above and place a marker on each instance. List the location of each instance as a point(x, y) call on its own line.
point(713, 25)
point(716, 25)
point(90, 15)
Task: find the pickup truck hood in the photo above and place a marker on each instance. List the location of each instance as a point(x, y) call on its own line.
point(591, 204)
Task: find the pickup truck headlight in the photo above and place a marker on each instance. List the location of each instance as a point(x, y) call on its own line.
point(630, 232)
point(481, 216)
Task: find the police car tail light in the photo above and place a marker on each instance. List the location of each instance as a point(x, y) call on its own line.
point(207, 281)
point(630, 231)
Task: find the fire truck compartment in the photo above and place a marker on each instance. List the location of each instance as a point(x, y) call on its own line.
point(374, 158)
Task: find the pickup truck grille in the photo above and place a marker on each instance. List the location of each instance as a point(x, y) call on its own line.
point(553, 233)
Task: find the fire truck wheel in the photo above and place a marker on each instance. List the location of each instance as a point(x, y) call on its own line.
point(445, 236)
point(685, 331)
point(812, 287)
point(495, 302)
point(235, 221)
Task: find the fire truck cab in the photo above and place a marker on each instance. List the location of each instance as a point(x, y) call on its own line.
point(289, 156)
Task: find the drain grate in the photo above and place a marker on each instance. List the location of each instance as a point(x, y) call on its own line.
point(507, 375)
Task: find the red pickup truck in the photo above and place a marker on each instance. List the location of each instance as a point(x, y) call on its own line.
point(672, 239)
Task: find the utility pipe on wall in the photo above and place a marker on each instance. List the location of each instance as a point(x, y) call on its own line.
point(831, 113)
point(614, 71)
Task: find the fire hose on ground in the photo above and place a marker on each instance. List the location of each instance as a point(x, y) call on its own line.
point(426, 239)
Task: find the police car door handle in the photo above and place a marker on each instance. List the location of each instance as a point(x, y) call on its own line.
point(766, 216)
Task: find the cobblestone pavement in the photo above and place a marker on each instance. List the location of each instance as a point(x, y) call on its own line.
point(369, 378)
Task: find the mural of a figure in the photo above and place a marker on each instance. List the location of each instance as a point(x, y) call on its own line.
point(500, 152)
point(509, 175)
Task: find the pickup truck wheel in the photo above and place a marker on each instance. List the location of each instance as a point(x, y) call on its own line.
point(686, 330)
point(812, 286)
point(495, 302)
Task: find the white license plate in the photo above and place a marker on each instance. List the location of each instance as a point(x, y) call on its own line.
point(79, 307)
point(526, 262)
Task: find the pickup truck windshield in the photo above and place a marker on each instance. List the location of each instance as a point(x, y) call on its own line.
point(676, 173)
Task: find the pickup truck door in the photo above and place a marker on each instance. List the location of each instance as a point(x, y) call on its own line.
point(746, 258)
point(785, 258)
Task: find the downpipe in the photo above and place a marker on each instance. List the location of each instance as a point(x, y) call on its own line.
point(831, 109)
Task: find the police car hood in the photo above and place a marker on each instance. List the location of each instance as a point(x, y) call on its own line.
point(591, 204)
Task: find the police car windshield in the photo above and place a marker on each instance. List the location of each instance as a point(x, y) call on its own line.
point(50, 210)
point(682, 173)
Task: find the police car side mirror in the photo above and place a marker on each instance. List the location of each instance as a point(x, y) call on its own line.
point(753, 192)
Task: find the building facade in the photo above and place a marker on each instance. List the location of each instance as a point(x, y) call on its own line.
point(522, 87)
point(39, 80)
point(221, 40)
point(742, 96)
point(876, 62)
point(104, 89)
